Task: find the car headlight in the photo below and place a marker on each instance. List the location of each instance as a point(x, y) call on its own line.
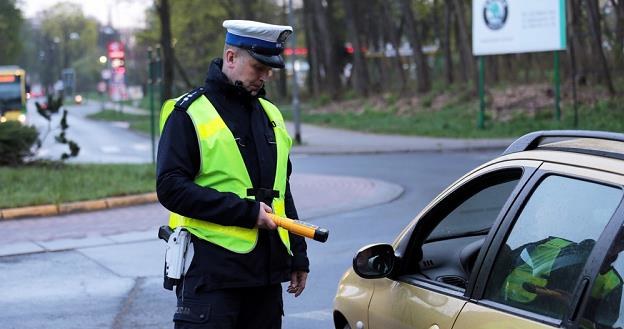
point(3, 119)
point(22, 118)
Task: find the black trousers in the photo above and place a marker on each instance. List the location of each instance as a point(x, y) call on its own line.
point(233, 308)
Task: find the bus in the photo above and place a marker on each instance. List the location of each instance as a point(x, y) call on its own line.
point(12, 94)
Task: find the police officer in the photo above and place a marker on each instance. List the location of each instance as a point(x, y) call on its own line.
point(222, 166)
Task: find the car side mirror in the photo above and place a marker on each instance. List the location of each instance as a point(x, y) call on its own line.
point(374, 261)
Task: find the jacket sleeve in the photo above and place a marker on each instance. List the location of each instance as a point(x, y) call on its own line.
point(298, 244)
point(178, 164)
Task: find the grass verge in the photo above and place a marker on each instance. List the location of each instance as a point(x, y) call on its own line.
point(55, 183)
point(460, 121)
point(138, 122)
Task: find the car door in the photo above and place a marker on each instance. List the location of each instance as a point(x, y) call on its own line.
point(536, 272)
point(439, 250)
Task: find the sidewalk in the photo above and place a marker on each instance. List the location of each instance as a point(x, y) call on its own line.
point(321, 140)
point(316, 195)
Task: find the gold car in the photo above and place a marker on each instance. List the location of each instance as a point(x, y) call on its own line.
point(532, 239)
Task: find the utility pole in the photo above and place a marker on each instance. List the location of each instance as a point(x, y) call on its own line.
point(295, 89)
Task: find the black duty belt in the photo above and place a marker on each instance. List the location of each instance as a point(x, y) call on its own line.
point(263, 194)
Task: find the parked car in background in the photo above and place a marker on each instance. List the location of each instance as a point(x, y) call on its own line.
point(531, 239)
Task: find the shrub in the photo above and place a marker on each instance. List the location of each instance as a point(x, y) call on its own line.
point(16, 142)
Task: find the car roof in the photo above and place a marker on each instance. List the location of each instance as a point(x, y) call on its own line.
point(594, 149)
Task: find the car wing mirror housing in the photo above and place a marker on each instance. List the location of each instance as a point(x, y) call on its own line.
point(374, 261)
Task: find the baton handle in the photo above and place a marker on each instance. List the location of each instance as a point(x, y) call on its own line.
point(301, 228)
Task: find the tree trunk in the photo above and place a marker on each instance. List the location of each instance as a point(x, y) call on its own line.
point(248, 8)
point(422, 69)
point(446, 42)
point(282, 85)
point(527, 67)
point(325, 38)
point(618, 51)
point(381, 80)
point(594, 27)
point(314, 50)
point(360, 71)
point(167, 49)
point(509, 75)
point(464, 39)
point(493, 68)
point(463, 67)
point(575, 14)
point(392, 36)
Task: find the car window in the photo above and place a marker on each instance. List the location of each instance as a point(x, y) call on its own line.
point(476, 214)
point(605, 308)
point(460, 223)
point(542, 258)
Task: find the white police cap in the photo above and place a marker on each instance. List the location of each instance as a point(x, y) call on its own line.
point(264, 42)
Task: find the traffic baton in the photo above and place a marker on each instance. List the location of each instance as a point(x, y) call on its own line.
point(301, 228)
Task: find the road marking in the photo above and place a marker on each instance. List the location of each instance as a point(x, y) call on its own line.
point(121, 124)
point(110, 149)
point(141, 146)
point(319, 315)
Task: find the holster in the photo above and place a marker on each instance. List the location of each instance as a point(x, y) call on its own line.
point(178, 255)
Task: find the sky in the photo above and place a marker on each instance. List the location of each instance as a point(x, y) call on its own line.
point(124, 13)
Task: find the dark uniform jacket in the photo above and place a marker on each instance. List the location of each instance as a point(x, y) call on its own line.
point(214, 267)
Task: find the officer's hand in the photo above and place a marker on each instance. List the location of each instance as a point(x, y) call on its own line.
point(297, 282)
point(263, 221)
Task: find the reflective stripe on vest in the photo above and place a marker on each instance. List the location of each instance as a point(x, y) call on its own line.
point(605, 284)
point(222, 168)
point(535, 270)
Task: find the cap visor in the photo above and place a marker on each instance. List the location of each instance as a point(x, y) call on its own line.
point(275, 61)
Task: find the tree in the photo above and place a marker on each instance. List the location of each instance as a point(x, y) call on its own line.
point(326, 38)
point(66, 39)
point(196, 33)
point(594, 27)
point(463, 39)
point(392, 35)
point(162, 6)
point(10, 24)
point(422, 69)
point(446, 44)
point(360, 69)
point(618, 48)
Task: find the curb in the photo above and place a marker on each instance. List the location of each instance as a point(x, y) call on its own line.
point(79, 206)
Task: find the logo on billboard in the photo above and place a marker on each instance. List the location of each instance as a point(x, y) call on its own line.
point(495, 14)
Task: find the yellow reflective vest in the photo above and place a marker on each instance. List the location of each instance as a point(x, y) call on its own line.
point(222, 168)
point(536, 274)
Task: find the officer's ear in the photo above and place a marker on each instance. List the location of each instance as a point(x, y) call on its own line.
point(229, 57)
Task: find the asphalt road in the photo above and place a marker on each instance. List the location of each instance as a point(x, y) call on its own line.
point(120, 286)
point(99, 141)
